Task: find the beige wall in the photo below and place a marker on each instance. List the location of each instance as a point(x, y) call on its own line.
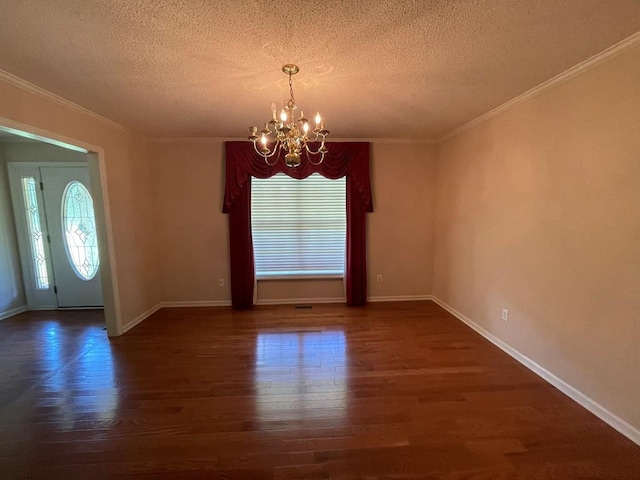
point(400, 230)
point(538, 211)
point(11, 290)
point(193, 236)
point(128, 188)
point(192, 233)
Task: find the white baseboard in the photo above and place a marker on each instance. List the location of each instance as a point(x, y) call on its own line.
point(295, 301)
point(287, 301)
point(67, 309)
point(400, 298)
point(129, 325)
point(143, 316)
point(594, 407)
point(12, 312)
point(197, 303)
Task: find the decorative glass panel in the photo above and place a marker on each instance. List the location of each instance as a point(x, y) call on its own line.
point(36, 238)
point(79, 230)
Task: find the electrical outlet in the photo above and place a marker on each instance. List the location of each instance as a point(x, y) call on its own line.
point(221, 282)
point(505, 314)
point(379, 279)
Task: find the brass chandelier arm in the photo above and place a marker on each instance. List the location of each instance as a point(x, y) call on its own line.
point(321, 151)
point(311, 161)
point(266, 156)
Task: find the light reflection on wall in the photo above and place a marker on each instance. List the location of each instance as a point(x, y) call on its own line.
point(84, 380)
point(300, 375)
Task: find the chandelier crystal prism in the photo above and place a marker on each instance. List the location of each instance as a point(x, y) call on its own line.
point(289, 135)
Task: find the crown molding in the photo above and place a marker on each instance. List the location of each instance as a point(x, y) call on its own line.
point(611, 52)
point(397, 141)
point(404, 141)
point(47, 95)
point(194, 139)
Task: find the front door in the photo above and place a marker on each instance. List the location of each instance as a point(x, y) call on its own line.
point(56, 228)
point(73, 238)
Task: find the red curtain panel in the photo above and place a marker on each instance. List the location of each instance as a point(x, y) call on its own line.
point(350, 159)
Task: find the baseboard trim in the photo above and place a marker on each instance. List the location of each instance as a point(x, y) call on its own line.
point(42, 308)
point(13, 311)
point(143, 316)
point(292, 301)
point(282, 301)
point(196, 303)
point(399, 298)
point(594, 407)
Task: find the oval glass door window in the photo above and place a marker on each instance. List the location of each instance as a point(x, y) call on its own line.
point(79, 230)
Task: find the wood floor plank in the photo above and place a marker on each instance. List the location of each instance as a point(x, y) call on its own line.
point(387, 391)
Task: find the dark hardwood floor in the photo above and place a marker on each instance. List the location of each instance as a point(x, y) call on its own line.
point(388, 391)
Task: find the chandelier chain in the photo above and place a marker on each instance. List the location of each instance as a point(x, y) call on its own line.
point(291, 89)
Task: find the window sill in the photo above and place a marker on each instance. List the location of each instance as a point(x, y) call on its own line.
point(299, 277)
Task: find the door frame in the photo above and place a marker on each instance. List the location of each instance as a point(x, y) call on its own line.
point(98, 179)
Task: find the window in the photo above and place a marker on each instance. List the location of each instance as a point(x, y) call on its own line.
point(79, 230)
point(36, 239)
point(298, 226)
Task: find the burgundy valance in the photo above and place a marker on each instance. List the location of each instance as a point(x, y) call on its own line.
point(350, 159)
point(345, 159)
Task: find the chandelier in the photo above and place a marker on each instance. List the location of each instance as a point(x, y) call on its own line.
point(291, 135)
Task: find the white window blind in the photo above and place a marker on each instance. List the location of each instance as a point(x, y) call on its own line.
point(298, 226)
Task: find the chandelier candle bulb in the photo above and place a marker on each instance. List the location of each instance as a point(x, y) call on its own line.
point(291, 136)
point(253, 133)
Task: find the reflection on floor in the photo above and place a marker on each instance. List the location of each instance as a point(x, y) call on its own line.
point(88, 387)
point(301, 368)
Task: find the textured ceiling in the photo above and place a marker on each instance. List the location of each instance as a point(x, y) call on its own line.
point(374, 69)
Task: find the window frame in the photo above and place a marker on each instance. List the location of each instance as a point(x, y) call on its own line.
point(302, 275)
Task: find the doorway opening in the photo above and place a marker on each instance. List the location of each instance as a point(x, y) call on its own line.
point(59, 223)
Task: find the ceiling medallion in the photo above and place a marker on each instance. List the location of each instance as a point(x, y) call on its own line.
point(291, 135)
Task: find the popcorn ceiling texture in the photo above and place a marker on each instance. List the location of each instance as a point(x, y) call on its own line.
point(375, 69)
